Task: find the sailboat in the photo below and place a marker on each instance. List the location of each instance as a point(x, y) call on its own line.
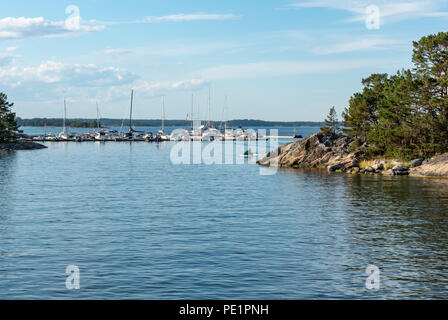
point(209, 108)
point(227, 134)
point(297, 136)
point(63, 135)
point(161, 135)
point(99, 135)
point(130, 134)
point(191, 132)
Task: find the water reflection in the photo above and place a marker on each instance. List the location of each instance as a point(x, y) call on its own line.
point(140, 227)
point(399, 224)
point(7, 164)
point(7, 167)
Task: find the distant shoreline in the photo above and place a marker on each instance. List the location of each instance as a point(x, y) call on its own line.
point(57, 122)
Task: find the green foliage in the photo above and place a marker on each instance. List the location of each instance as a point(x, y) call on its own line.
point(362, 112)
point(331, 126)
point(356, 144)
point(83, 124)
point(405, 115)
point(7, 119)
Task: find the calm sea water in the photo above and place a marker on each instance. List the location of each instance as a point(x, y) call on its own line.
point(139, 227)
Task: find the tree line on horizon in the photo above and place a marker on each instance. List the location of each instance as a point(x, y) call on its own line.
point(90, 123)
point(404, 115)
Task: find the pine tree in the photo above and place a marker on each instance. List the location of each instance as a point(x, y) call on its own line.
point(362, 113)
point(405, 115)
point(398, 132)
point(430, 57)
point(7, 119)
point(356, 118)
point(331, 127)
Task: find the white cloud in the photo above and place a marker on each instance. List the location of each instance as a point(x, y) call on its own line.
point(11, 49)
point(190, 17)
point(181, 48)
point(115, 52)
point(19, 28)
point(22, 27)
point(166, 86)
point(61, 74)
point(437, 14)
point(366, 44)
point(149, 89)
point(389, 10)
point(52, 79)
point(281, 68)
point(291, 34)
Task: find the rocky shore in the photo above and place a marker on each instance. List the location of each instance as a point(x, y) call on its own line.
point(435, 167)
point(21, 145)
point(337, 154)
point(314, 151)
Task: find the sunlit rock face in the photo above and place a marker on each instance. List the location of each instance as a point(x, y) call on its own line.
point(314, 151)
point(436, 167)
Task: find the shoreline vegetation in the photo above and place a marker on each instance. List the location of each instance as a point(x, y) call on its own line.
point(405, 115)
point(334, 154)
point(9, 129)
point(397, 125)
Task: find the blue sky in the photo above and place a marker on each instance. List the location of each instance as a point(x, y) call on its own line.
point(275, 60)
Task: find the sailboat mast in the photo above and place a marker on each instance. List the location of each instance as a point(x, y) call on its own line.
point(199, 120)
point(65, 117)
point(225, 115)
point(208, 124)
point(97, 117)
point(130, 116)
point(163, 113)
point(192, 111)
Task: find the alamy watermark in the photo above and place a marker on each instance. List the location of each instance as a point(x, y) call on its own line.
point(73, 21)
point(373, 277)
point(373, 17)
point(72, 282)
point(235, 147)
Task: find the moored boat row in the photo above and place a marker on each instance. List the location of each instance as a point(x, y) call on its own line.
point(161, 136)
point(198, 132)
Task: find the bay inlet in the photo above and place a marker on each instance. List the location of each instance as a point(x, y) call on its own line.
point(139, 227)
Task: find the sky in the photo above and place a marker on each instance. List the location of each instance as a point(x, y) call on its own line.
point(273, 60)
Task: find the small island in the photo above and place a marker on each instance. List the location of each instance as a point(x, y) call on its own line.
point(397, 125)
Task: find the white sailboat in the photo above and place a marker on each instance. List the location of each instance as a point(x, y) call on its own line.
point(209, 108)
point(63, 135)
point(99, 135)
point(228, 134)
point(161, 135)
point(130, 134)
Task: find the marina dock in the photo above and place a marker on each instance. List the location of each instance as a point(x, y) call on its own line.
point(140, 139)
point(95, 137)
